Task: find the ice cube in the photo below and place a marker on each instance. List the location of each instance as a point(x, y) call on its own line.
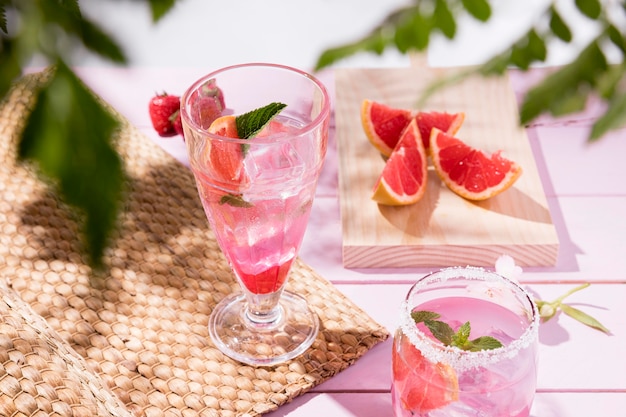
point(272, 163)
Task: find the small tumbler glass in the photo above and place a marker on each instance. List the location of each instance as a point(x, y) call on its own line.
point(436, 379)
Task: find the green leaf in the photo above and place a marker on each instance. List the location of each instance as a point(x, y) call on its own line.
point(571, 101)
point(71, 21)
point(442, 331)
point(414, 33)
point(590, 8)
point(613, 118)
point(564, 89)
point(251, 123)
point(3, 18)
point(460, 338)
point(529, 49)
point(160, 8)
point(616, 37)
point(99, 42)
point(10, 68)
point(423, 315)
point(235, 201)
point(609, 82)
point(536, 46)
point(496, 65)
point(332, 55)
point(444, 20)
point(71, 6)
point(559, 27)
point(479, 9)
point(68, 136)
point(381, 36)
point(446, 335)
point(584, 318)
point(484, 343)
point(375, 42)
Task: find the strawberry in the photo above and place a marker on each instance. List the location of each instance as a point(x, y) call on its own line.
point(205, 110)
point(207, 103)
point(161, 108)
point(210, 89)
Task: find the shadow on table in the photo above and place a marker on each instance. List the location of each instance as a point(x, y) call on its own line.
point(566, 261)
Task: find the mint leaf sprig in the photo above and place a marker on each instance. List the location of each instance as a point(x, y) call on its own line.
point(446, 335)
point(548, 309)
point(251, 123)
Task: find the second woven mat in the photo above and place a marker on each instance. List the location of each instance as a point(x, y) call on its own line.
point(141, 326)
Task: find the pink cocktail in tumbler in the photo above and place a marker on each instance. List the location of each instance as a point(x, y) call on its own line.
point(466, 346)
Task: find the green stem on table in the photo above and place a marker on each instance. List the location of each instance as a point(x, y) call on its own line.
point(548, 309)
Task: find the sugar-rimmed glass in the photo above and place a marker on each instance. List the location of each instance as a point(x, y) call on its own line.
point(435, 380)
point(259, 217)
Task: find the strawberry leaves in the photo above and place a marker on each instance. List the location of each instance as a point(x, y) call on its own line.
point(443, 332)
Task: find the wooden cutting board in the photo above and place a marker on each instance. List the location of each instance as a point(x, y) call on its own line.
point(442, 229)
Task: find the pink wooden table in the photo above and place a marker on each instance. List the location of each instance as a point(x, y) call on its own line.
point(582, 371)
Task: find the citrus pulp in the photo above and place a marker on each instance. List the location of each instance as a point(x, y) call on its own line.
point(226, 158)
point(383, 124)
point(404, 176)
point(446, 122)
point(423, 386)
point(470, 172)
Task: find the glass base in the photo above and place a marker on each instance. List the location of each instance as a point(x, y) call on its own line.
point(293, 329)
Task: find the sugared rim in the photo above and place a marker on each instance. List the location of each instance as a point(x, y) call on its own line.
point(324, 111)
point(453, 356)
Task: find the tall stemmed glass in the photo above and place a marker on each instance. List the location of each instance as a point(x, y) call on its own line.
point(257, 194)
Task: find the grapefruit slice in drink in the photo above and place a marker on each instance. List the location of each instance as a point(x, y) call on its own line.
point(423, 386)
point(470, 172)
point(383, 125)
point(404, 177)
point(444, 121)
point(226, 158)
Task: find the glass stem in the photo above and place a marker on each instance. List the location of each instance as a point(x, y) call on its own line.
point(263, 309)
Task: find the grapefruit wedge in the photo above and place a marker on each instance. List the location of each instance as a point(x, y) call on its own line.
point(446, 122)
point(422, 386)
point(226, 158)
point(383, 124)
point(404, 176)
point(470, 172)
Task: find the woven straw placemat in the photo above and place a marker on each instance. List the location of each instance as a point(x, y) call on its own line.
point(138, 330)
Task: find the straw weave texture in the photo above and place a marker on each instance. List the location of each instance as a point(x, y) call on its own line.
point(133, 339)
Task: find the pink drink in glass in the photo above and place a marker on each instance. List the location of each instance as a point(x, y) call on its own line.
point(262, 237)
point(431, 379)
point(257, 194)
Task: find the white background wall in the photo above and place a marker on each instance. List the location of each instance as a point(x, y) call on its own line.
point(294, 32)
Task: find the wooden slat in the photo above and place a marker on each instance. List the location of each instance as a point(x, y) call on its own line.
point(442, 228)
point(572, 357)
point(552, 404)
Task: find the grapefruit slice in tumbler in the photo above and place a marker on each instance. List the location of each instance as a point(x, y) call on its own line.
point(423, 386)
point(446, 122)
point(383, 124)
point(470, 172)
point(404, 177)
